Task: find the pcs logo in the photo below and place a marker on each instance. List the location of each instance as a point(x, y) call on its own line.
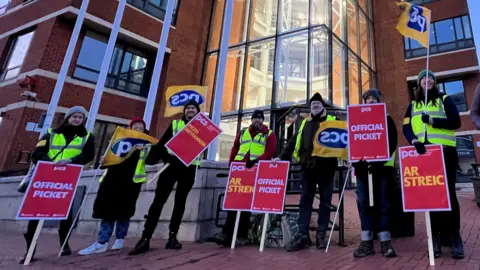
point(121, 147)
point(333, 138)
point(181, 98)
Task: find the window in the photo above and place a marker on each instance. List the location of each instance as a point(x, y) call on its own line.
point(14, 60)
point(447, 35)
point(455, 90)
point(3, 6)
point(128, 67)
point(466, 157)
point(156, 8)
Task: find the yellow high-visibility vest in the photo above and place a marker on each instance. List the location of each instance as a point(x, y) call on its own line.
point(298, 143)
point(391, 162)
point(435, 135)
point(255, 146)
point(57, 143)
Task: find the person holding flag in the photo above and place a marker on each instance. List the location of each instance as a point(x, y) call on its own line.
point(176, 172)
point(70, 143)
point(435, 123)
point(252, 144)
point(316, 171)
point(119, 189)
point(382, 174)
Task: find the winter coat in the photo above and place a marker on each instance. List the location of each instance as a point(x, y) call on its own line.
point(117, 194)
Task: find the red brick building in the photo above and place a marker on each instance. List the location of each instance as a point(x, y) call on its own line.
point(34, 36)
point(453, 59)
point(280, 52)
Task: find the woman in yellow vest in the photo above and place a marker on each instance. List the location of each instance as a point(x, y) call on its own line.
point(70, 143)
point(117, 196)
point(437, 126)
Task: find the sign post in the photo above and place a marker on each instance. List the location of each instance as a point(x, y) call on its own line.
point(193, 139)
point(368, 136)
point(424, 176)
point(239, 192)
point(49, 196)
point(269, 191)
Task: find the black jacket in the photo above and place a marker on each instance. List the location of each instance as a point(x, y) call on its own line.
point(306, 147)
point(69, 132)
point(117, 194)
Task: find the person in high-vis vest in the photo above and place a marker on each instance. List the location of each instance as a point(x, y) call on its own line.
point(117, 195)
point(252, 144)
point(437, 126)
point(316, 171)
point(176, 173)
point(382, 173)
point(70, 143)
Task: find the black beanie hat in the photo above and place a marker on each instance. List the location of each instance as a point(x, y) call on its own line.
point(316, 97)
point(192, 102)
point(372, 92)
point(258, 114)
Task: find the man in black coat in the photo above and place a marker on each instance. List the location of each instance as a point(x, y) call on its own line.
point(316, 171)
point(177, 173)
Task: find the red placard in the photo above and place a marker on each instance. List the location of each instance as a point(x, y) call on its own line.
point(193, 139)
point(424, 180)
point(239, 190)
point(270, 187)
point(367, 132)
point(51, 191)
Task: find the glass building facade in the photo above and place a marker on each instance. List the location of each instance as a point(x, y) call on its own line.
point(283, 51)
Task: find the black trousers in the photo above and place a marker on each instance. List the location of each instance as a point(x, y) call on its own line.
point(184, 178)
point(243, 225)
point(311, 178)
point(62, 231)
point(448, 222)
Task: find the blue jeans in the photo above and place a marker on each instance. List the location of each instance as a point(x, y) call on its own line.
point(380, 209)
point(106, 229)
point(310, 179)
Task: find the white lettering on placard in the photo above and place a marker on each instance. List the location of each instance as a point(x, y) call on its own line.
point(409, 153)
point(239, 168)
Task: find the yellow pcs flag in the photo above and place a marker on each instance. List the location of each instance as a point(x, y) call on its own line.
point(122, 143)
point(415, 23)
point(177, 96)
point(331, 140)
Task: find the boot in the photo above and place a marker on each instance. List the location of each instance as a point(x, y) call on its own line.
point(298, 243)
point(28, 240)
point(457, 247)
point(364, 249)
point(173, 242)
point(142, 246)
point(66, 250)
point(437, 247)
point(321, 242)
point(387, 249)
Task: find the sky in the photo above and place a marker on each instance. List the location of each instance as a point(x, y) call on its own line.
point(474, 8)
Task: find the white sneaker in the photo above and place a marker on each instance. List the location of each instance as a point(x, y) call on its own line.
point(119, 244)
point(94, 248)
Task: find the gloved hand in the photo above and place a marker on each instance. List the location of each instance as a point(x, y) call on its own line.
point(251, 163)
point(427, 119)
point(361, 168)
point(420, 147)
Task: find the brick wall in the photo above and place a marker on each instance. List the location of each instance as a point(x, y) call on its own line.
point(183, 66)
point(392, 69)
